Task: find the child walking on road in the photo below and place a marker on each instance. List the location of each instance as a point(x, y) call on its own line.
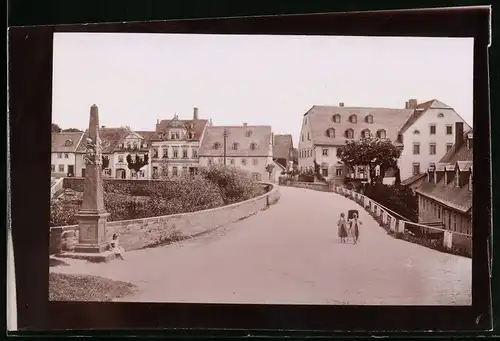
point(342, 231)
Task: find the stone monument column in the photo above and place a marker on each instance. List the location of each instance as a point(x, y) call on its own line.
point(92, 215)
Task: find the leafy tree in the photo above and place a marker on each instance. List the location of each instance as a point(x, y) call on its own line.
point(269, 169)
point(138, 163)
point(371, 152)
point(72, 130)
point(56, 128)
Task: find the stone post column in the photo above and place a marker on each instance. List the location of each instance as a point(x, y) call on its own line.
point(92, 215)
point(393, 224)
point(448, 240)
point(401, 226)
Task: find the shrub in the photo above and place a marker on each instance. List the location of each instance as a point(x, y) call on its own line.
point(306, 176)
point(233, 184)
point(399, 199)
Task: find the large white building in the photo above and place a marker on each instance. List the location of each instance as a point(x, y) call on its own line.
point(248, 147)
point(175, 144)
point(64, 153)
point(428, 125)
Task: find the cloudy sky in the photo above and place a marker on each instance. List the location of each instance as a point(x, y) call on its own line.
point(136, 79)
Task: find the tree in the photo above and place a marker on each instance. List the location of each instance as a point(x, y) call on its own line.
point(371, 152)
point(138, 163)
point(72, 130)
point(269, 169)
point(56, 128)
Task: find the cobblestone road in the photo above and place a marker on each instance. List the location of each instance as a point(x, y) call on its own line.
point(290, 254)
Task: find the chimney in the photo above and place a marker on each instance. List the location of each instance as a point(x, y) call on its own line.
point(412, 104)
point(341, 104)
point(195, 113)
point(459, 134)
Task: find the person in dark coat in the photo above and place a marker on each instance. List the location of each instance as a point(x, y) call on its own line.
point(342, 231)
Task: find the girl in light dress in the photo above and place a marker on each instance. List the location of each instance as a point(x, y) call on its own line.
point(342, 231)
point(115, 246)
point(355, 222)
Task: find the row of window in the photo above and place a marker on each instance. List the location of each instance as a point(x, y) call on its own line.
point(432, 130)
point(234, 146)
point(175, 153)
point(121, 158)
point(349, 133)
point(324, 171)
point(175, 136)
point(303, 153)
point(60, 155)
point(432, 148)
point(60, 168)
point(132, 145)
point(451, 220)
point(175, 170)
point(244, 162)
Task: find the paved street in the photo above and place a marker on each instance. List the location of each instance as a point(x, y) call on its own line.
point(290, 253)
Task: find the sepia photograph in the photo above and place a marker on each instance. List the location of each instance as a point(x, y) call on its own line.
point(261, 169)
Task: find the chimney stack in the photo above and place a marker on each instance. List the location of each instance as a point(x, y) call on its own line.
point(195, 113)
point(412, 103)
point(341, 104)
point(459, 134)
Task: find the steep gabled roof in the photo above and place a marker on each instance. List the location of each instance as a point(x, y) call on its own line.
point(460, 154)
point(110, 139)
point(412, 179)
point(195, 126)
point(320, 118)
point(260, 135)
point(66, 142)
point(282, 146)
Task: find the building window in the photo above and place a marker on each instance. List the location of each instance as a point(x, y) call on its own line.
point(176, 153)
point(470, 180)
point(432, 129)
point(155, 153)
point(330, 132)
point(194, 153)
point(324, 172)
point(416, 148)
point(432, 148)
point(440, 115)
point(256, 176)
point(449, 129)
point(61, 168)
point(66, 155)
point(107, 171)
point(155, 170)
point(448, 147)
point(128, 145)
point(416, 168)
point(416, 132)
point(175, 172)
point(255, 162)
point(381, 134)
point(135, 145)
point(338, 172)
point(210, 161)
point(248, 133)
point(457, 178)
point(231, 161)
point(165, 153)
point(302, 137)
point(349, 133)
point(235, 146)
point(216, 145)
point(353, 119)
point(325, 151)
point(59, 155)
point(309, 136)
point(336, 118)
point(439, 212)
point(52, 168)
point(244, 162)
point(369, 119)
point(184, 153)
point(253, 146)
point(366, 133)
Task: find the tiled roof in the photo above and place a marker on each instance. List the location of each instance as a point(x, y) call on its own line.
point(448, 194)
point(321, 118)
point(66, 142)
point(282, 146)
point(417, 113)
point(260, 136)
point(195, 126)
point(412, 179)
point(111, 138)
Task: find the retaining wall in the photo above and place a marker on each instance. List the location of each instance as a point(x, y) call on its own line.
point(139, 233)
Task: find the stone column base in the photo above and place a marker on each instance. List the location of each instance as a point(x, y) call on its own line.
point(101, 257)
point(91, 248)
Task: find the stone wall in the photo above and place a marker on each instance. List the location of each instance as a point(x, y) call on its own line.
point(77, 184)
point(139, 233)
point(308, 185)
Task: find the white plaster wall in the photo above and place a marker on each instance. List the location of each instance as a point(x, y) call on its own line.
point(305, 146)
point(250, 167)
point(425, 138)
point(56, 161)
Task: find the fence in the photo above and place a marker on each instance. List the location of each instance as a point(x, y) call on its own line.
point(396, 224)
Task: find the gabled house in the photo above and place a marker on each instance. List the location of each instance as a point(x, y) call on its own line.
point(64, 149)
point(445, 196)
point(248, 147)
point(283, 151)
point(175, 144)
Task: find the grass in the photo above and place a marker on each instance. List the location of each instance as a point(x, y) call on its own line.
point(63, 287)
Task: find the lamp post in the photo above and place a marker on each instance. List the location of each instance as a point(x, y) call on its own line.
point(226, 133)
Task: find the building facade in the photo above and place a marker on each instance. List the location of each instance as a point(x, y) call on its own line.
point(175, 145)
point(64, 153)
point(247, 147)
point(283, 151)
point(417, 127)
point(445, 196)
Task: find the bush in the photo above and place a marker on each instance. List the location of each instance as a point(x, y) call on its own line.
point(234, 184)
point(306, 176)
point(399, 199)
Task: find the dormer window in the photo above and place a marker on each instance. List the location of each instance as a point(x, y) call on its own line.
point(381, 134)
point(369, 119)
point(366, 133)
point(216, 145)
point(68, 143)
point(330, 132)
point(248, 133)
point(191, 135)
point(353, 119)
point(470, 179)
point(144, 145)
point(160, 136)
point(235, 146)
point(336, 118)
point(253, 146)
point(416, 132)
point(457, 178)
point(349, 133)
point(440, 115)
point(128, 145)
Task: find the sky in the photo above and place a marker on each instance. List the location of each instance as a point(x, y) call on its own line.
point(273, 80)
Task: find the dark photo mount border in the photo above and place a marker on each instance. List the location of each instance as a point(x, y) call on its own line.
point(30, 90)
